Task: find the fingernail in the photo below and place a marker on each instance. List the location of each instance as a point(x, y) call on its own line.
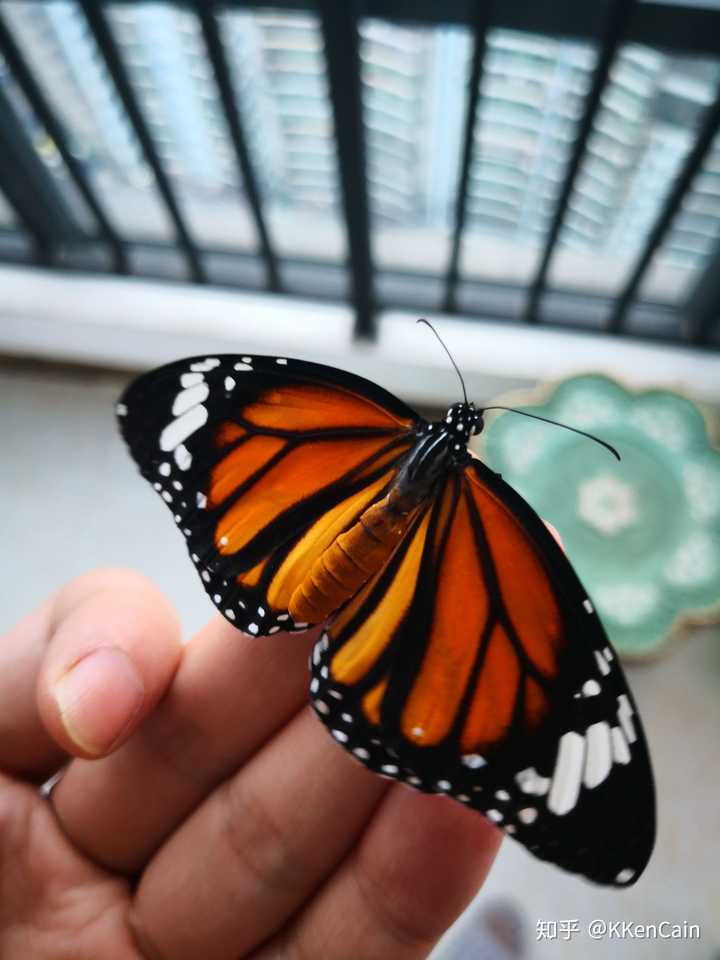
point(98, 698)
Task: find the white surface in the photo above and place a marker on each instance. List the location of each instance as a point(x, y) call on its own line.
point(135, 324)
point(73, 501)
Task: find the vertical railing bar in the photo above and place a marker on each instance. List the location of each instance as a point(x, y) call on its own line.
point(617, 21)
point(701, 310)
point(29, 188)
point(341, 41)
point(41, 241)
point(37, 100)
point(480, 28)
point(709, 128)
point(207, 16)
point(116, 68)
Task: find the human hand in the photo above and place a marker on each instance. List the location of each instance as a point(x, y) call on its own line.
point(204, 812)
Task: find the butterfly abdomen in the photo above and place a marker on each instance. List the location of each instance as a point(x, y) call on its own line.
point(349, 562)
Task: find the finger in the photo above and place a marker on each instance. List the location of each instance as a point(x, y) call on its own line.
point(257, 849)
point(26, 748)
point(33, 739)
point(553, 530)
point(419, 864)
point(113, 648)
point(231, 693)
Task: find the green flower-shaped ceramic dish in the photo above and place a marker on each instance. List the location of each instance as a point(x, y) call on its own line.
point(643, 534)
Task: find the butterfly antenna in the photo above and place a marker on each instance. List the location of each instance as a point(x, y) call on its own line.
point(452, 361)
point(556, 423)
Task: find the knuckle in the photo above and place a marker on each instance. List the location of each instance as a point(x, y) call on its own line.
point(260, 844)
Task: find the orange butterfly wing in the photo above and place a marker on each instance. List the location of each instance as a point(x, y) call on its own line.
point(263, 461)
point(474, 665)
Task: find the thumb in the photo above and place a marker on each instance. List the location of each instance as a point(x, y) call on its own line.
point(113, 651)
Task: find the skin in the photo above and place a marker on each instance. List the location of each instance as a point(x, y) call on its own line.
point(204, 811)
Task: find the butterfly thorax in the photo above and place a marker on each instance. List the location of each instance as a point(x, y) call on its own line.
point(441, 446)
point(360, 552)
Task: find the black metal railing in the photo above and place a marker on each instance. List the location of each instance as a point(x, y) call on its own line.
point(42, 213)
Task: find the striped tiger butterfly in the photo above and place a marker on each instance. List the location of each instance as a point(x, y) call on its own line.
point(460, 653)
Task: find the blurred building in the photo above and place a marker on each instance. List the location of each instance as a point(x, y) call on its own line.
point(414, 89)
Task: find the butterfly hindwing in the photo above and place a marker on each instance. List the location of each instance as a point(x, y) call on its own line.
point(263, 461)
point(475, 665)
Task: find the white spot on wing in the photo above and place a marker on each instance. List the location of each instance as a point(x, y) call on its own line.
point(321, 707)
point(473, 760)
point(191, 379)
point(361, 753)
point(164, 469)
point(494, 815)
point(598, 754)
point(591, 688)
point(230, 614)
point(625, 875)
point(527, 815)
point(121, 409)
point(183, 457)
point(340, 735)
point(567, 774)
point(602, 663)
point(625, 715)
point(253, 628)
point(201, 500)
point(282, 361)
point(179, 430)
point(242, 366)
point(204, 365)
point(229, 383)
point(588, 605)
point(189, 398)
point(621, 751)
point(530, 781)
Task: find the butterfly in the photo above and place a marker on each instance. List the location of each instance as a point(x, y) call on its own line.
point(459, 653)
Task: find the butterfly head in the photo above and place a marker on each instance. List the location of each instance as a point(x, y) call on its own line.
point(463, 421)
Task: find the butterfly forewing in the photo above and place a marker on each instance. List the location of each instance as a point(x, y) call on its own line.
point(263, 462)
